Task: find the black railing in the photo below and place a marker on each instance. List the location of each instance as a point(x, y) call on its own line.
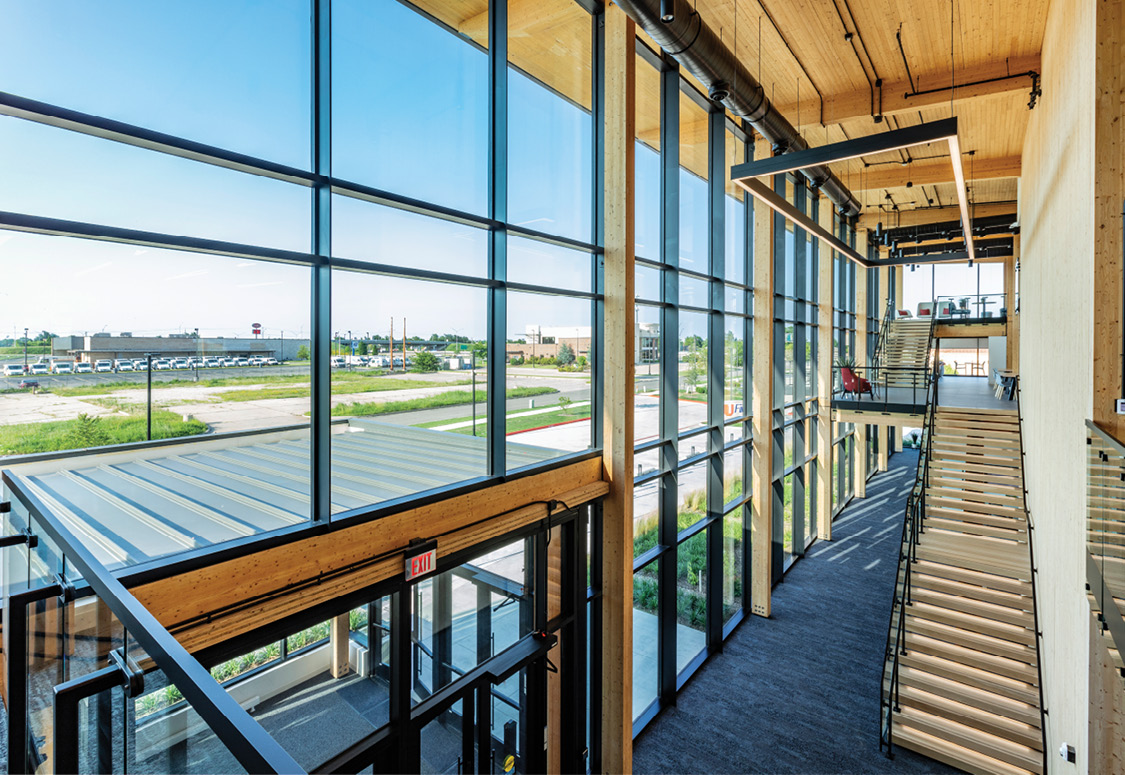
point(1034, 574)
point(881, 342)
point(912, 528)
point(69, 599)
point(887, 388)
point(1105, 533)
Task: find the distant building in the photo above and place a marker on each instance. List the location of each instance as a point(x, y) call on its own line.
point(106, 346)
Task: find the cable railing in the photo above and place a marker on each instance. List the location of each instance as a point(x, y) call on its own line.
point(87, 668)
point(1105, 536)
point(912, 528)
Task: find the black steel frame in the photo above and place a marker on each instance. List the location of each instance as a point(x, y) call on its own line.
point(709, 437)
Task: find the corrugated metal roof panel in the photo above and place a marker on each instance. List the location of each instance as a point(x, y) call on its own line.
point(132, 508)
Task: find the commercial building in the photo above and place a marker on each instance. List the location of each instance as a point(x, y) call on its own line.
point(92, 348)
point(764, 224)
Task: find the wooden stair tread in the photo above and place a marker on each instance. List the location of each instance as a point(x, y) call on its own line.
point(984, 680)
point(965, 694)
point(933, 610)
point(970, 591)
point(990, 581)
point(954, 501)
point(1011, 523)
point(941, 705)
point(986, 498)
point(997, 655)
point(987, 751)
point(971, 528)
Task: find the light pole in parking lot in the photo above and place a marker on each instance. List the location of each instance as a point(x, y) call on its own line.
point(25, 351)
point(148, 414)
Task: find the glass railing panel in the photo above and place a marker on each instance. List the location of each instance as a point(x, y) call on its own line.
point(1105, 516)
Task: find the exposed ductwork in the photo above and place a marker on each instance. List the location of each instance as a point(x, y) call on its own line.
point(702, 53)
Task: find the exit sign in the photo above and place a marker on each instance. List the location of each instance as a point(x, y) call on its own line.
point(421, 559)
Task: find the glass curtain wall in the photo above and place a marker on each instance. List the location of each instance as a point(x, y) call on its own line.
point(843, 337)
point(691, 409)
point(376, 218)
point(796, 265)
point(874, 314)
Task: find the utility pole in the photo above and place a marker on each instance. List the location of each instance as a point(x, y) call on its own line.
point(25, 351)
point(148, 421)
point(474, 369)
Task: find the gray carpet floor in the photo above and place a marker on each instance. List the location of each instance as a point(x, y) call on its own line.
point(799, 692)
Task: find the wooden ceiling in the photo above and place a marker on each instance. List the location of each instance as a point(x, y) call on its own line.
point(818, 61)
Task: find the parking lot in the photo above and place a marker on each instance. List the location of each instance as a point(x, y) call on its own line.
point(141, 377)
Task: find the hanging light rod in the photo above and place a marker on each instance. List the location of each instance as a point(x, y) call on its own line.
point(667, 12)
point(747, 174)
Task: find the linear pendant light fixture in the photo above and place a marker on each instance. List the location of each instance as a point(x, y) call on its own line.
point(749, 176)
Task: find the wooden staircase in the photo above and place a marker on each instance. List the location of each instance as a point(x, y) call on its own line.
point(907, 345)
point(968, 678)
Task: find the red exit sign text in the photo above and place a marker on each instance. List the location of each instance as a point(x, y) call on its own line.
point(421, 560)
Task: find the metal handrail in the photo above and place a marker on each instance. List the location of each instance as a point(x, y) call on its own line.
point(1034, 573)
point(912, 528)
point(254, 748)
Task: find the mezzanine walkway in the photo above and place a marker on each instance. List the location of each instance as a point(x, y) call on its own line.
point(799, 693)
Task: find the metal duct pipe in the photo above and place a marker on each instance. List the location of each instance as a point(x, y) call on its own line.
point(702, 53)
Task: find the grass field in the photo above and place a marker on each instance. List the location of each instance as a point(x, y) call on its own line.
point(518, 422)
point(286, 386)
point(85, 431)
point(449, 398)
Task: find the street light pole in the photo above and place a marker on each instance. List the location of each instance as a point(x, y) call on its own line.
point(474, 369)
point(25, 351)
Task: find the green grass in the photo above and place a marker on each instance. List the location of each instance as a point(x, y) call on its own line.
point(448, 398)
point(516, 423)
point(289, 386)
point(84, 431)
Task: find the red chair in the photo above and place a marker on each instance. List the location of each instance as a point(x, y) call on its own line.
point(855, 384)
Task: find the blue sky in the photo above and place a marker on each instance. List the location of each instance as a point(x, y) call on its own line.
point(409, 115)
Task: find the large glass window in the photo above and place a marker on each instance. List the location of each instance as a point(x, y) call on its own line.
point(692, 382)
point(435, 148)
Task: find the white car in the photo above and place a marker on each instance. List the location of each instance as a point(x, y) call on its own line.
point(140, 364)
point(338, 362)
point(271, 362)
point(242, 362)
point(179, 363)
point(62, 368)
point(212, 363)
point(83, 368)
point(161, 365)
point(40, 369)
point(257, 361)
point(103, 367)
point(13, 370)
point(125, 365)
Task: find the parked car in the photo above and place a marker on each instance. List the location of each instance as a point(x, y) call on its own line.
point(161, 365)
point(62, 368)
point(271, 362)
point(29, 383)
point(212, 363)
point(83, 368)
point(338, 362)
point(40, 369)
point(103, 366)
point(124, 364)
point(179, 363)
point(13, 370)
point(242, 362)
point(140, 364)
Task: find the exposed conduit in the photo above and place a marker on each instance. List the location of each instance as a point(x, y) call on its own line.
point(703, 54)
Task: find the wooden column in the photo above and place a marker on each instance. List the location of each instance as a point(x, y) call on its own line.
point(617, 413)
point(824, 359)
point(884, 433)
point(338, 638)
point(1109, 191)
point(761, 520)
point(861, 361)
point(1013, 338)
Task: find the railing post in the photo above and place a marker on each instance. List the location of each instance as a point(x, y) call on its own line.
point(16, 658)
